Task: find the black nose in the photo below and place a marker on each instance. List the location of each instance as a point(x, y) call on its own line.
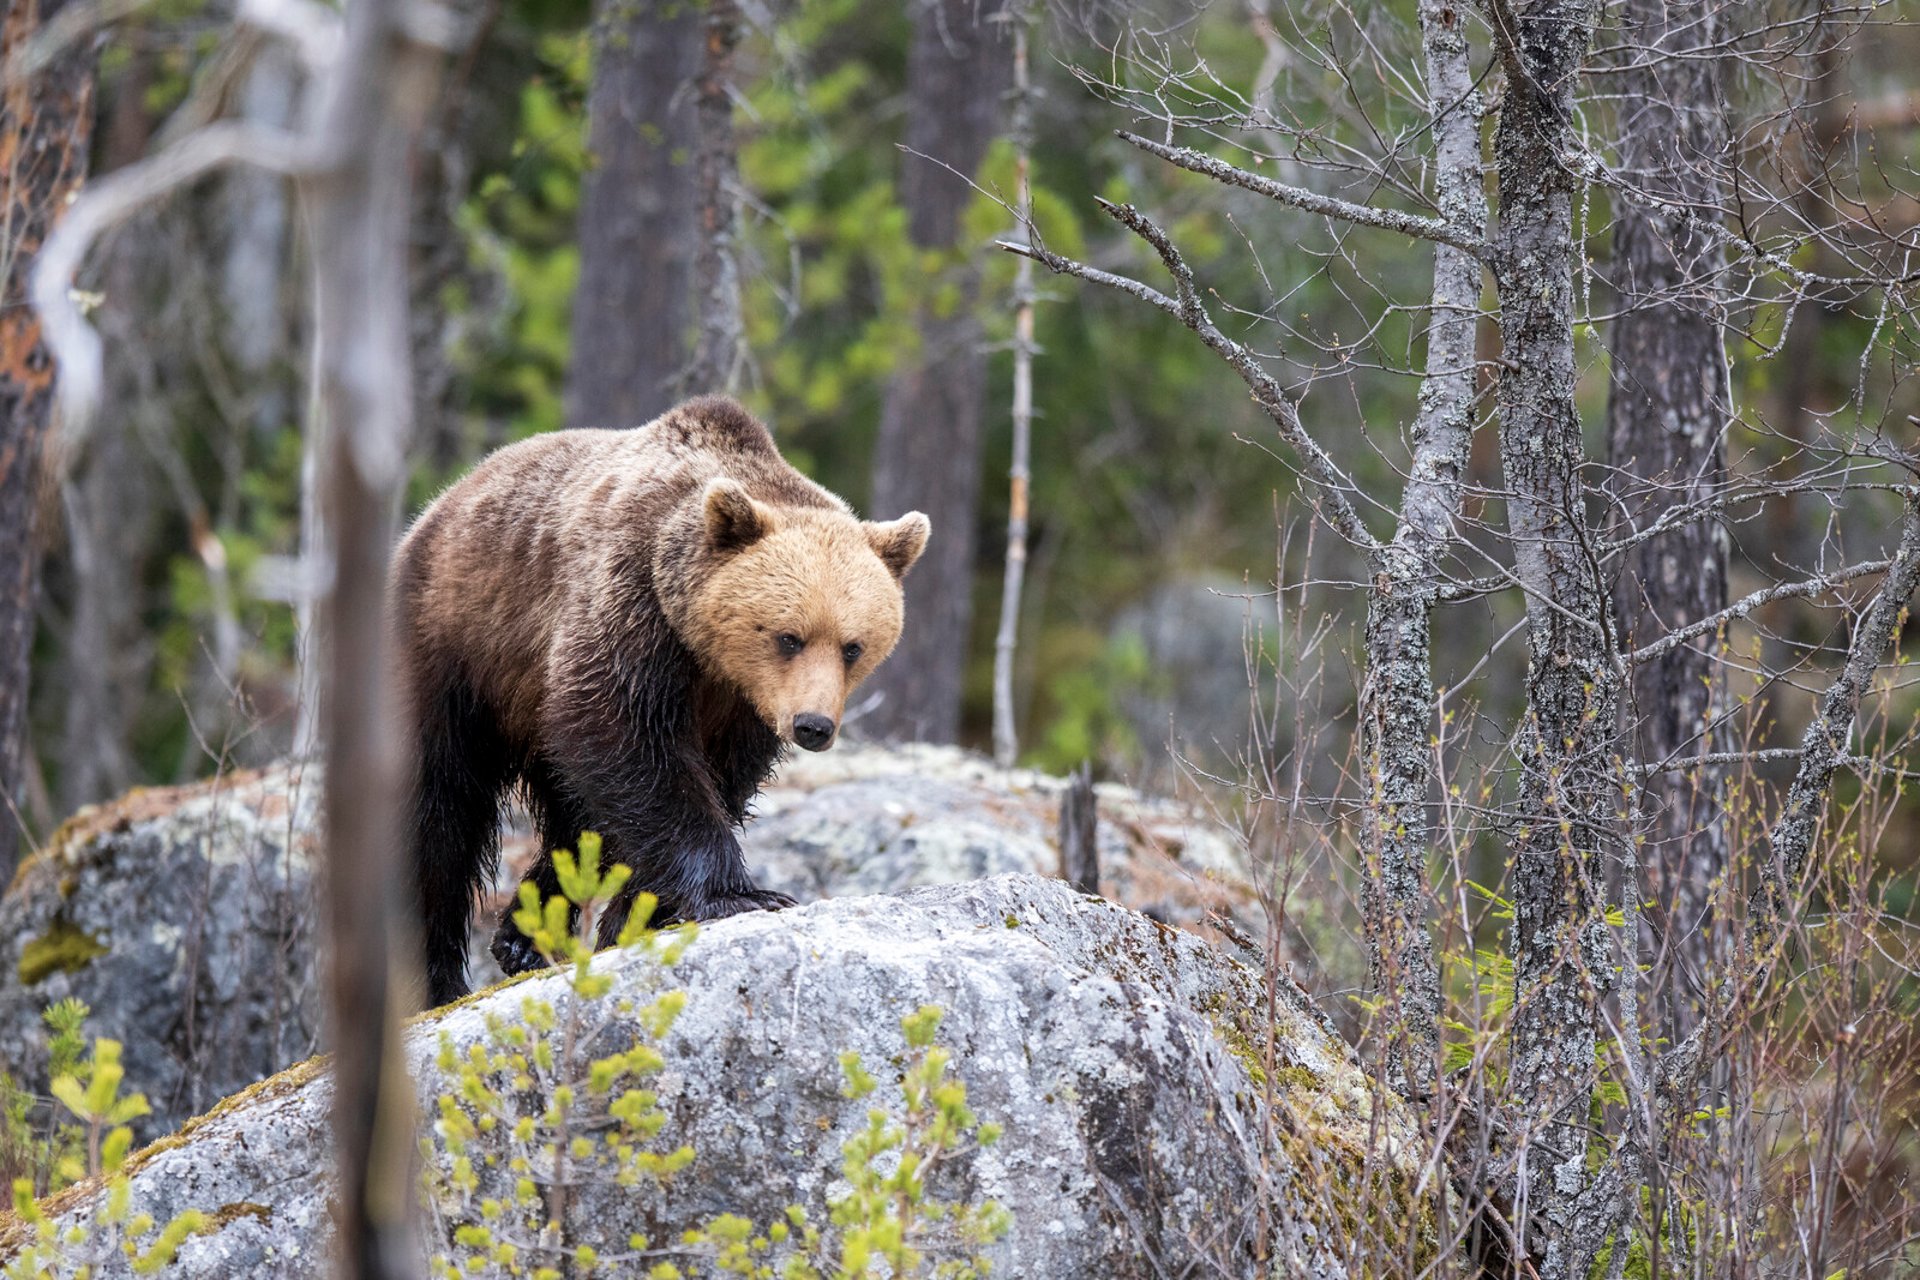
point(812, 730)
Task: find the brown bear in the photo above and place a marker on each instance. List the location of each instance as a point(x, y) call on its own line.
point(629, 625)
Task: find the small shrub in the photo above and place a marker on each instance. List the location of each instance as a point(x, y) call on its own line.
point(544, 1107)
point(35, 1143)
point(91, 1091)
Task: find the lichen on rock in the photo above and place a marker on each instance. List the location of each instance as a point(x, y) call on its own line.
point(1090, 1034)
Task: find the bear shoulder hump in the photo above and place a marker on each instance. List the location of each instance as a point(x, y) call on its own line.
point(723, 425)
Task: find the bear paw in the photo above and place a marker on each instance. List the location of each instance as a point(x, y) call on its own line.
point(733, 904)
point(514, 951)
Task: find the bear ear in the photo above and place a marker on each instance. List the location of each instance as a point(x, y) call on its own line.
point(899, 543)
point(734, 519)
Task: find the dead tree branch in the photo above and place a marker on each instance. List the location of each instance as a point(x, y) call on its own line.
point(1438, 230)
point(1333, 484)
point(1748, 603)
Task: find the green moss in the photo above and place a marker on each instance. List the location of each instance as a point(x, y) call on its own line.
point(1013, 921)
point(1297, 1078)
point(1355, 1197)
point(1349, 1191)
point(63, 948)
point(431, 1015)
point(1241, 1046)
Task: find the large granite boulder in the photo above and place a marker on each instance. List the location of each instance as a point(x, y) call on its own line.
point(188, 918)
point(185, 917)
point(1150, 1126)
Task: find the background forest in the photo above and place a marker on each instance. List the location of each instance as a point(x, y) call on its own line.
point(865, 267)
point(1293, 527)
point(166, 645)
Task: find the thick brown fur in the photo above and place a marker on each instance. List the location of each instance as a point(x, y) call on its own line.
point(627, 625)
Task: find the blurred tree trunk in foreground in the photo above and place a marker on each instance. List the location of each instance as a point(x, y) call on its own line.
point(927, 457)
point(637, 229)
point(1666, 429)
point(385, 85)
point(46, 125)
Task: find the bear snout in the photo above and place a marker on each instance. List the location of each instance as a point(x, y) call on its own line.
point(813, 730)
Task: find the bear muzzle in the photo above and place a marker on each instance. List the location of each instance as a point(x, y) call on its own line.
point(813, 730)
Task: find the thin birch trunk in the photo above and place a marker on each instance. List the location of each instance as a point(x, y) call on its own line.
point(1397, 697)
point(1006, 738)
point(315, 571)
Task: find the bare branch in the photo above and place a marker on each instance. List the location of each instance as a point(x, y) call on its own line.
point(1821, 745)
point(1748, 603)
point(74, 342)
point(1190, 311)
point(1791, 840)
point(1407, 224)
point(1858, 764)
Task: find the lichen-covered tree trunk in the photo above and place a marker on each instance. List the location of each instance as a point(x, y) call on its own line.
point(631, 310)
point(1397, 699)
point(46, 125)
point(1566, 747)
point(1666, 442)
point(927, 456)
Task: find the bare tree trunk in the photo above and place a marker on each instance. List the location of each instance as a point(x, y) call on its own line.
point(1396, 697)
point(927, 456)
point(1666, 439)
point(46, 126)
point(1568, 743)
point(630, 312)
point(1079, 832)
point(1006, 736)
point(361, 206)
point(719, 343)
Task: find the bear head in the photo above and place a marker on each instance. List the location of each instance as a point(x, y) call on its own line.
point(795, 606)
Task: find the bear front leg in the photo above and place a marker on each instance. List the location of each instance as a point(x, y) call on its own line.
point(513, 950)
point(557, 818)
point(657, 806)
point(625, 747)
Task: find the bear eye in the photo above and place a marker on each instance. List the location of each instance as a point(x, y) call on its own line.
point(851, 651)
point(789, 643)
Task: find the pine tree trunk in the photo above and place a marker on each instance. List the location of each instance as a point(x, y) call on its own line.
point(1666, 425)
point(631, 311)
point(720, 329)
point(46, 125)
point(927, 456)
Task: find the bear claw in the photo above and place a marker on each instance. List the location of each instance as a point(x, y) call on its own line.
point(514, 951)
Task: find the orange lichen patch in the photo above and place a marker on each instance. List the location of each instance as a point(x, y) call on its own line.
point(144, 804)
